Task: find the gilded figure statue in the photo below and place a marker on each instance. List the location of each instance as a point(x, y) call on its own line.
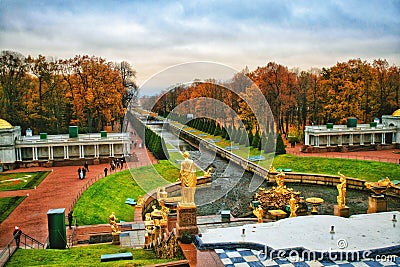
point(113, 222)
point(259, 212)
point(379, 187)
point(280, 182)
point(293, 206)
point(164, 211)
point(188, 179)
point(341, 187)
point(207, 173)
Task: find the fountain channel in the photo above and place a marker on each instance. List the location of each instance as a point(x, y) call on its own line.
point(229, 188)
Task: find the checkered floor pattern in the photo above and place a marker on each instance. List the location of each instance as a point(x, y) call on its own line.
point(247, 257)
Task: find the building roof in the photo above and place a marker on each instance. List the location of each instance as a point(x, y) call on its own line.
point(396, 113)
point(5, 124)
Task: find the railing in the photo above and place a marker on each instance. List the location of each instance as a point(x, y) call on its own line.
point(84, 188)
point(33, 243)
point(25, 242)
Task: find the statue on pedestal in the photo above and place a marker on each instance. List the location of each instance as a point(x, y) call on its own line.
point(188, 179)
point(259, 212)
point(293, 206)
point(113, 222)
point(341, 187)
point(380, 187)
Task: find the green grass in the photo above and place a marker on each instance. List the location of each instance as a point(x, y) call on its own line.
point(21, 180)
point(105, 196)
point(7, 205)
point(81, 256)
point(109, 194)
point(362, 169)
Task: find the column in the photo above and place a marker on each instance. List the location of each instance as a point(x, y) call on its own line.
point(95, 151)
point(34, 153)
point(17, 154)
point(350, 139)
point(50, 152)
point(81, 151)
point(328, 140)
point(383, 138)
point(316, 140)
point(111, 150)
point(66, 152)
point(127, 149)
point(362, 139)
point(372, 139)
point(306, 138)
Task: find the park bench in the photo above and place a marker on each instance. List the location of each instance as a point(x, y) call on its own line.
point(116, 256)
point(130, 201)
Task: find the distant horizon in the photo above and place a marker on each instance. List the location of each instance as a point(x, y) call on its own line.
point(153, 36)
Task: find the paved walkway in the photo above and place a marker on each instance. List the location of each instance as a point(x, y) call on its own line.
point(389, 155)
point(58, 190)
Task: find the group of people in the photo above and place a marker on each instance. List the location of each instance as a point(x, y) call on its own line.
point(82, 172)
point(114, 165)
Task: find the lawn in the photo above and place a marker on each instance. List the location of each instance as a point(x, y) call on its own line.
point(21, 180)
point(81, 256)
point(7, 205)
point(109, 194)
point(362, 169)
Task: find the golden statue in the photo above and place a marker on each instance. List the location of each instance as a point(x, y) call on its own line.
point(293, 206)
point(140, 201)
point(280, 182)
point(271, 169)
point(161, 194)
point(259, 212)
point(113, 222)
point(188, 179)
point(276, 197)
point(379, 187)
point(207, 173)
point(341, 187)
point(164, 211)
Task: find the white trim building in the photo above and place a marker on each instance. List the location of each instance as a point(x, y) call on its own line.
point(334, 137)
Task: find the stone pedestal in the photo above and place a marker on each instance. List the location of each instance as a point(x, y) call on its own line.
point(171, 222)
point(341, 211)
point(377, 204)
point(186, 219)
point(115, 238)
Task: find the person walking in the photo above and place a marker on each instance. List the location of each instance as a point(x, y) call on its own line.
point(17, 235)
point(83, 173)
point(79, 173)
point(105, 171)
point(86, 166)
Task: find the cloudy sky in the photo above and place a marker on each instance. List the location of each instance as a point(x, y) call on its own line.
point(154, 35)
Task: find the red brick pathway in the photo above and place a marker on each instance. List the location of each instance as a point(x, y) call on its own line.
point(58, 190)
point(390, 155)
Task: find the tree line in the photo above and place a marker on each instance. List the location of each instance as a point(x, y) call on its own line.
point(355, 88)
point(48, 95)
